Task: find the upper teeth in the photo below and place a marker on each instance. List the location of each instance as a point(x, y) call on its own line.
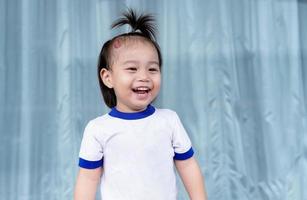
point(142, 88)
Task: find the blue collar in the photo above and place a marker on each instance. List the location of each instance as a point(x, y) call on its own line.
point(130, 116)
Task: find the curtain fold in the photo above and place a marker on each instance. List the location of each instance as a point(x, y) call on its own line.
point(234, 71)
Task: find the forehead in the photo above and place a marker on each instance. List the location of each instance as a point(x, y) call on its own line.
point(133, 47)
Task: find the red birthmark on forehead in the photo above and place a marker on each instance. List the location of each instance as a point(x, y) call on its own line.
point(117, 43)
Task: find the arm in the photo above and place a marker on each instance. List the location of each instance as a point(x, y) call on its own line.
point(192, 179)
point(86, 184)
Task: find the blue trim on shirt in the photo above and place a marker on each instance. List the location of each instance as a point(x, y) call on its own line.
point(90, 164)
point(130, 116)
point(184, 156)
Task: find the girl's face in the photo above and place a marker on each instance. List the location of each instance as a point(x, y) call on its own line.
point(135, 74)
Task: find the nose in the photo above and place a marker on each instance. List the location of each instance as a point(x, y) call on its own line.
point(143, 76)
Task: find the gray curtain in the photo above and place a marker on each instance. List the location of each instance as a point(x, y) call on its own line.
point(235, 72)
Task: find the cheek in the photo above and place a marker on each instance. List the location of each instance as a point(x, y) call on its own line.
point(157, 81)
point(122, 81)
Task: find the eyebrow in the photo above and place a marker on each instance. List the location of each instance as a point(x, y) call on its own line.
point(135, 62)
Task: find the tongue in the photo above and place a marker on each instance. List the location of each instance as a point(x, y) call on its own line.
point(141, 92)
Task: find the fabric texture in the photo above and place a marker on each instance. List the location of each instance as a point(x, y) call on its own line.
point(234, 71)
point(138, 151)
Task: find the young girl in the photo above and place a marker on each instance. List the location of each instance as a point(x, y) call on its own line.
point(133, 148)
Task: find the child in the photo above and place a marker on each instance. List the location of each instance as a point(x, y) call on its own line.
point(134, 147)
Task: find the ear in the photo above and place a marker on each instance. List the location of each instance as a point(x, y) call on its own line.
point(106, 78)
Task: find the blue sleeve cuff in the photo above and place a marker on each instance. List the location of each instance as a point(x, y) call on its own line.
point(184, 156)
point(90, 164)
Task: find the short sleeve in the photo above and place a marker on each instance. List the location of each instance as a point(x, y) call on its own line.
point(91, 150)
point(181, 141)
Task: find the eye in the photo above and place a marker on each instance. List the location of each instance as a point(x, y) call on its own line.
point(131, 69)
point(153, 69)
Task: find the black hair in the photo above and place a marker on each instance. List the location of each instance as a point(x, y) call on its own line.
point(142, 26)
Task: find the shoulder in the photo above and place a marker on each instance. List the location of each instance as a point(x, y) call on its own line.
point(168, 113)
point(98, 120)
point(95, 125)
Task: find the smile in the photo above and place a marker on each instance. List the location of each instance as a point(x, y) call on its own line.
point(141, 90)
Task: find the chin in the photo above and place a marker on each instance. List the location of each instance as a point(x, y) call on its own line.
point(140, 107)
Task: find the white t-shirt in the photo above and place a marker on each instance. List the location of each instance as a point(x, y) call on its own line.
point(137, 152)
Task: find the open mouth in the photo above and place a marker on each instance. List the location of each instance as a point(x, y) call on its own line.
point(141, 90)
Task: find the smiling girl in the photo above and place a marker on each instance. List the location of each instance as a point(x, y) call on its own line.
point(133, 149)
